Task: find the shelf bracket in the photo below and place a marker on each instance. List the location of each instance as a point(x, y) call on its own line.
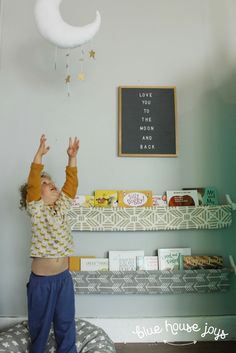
point(230, 202)
point(232, 263)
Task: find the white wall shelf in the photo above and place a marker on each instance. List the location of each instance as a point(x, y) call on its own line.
point(118, 219)
point(152, 282)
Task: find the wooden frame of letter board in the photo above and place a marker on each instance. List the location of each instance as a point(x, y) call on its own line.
point(120, 124)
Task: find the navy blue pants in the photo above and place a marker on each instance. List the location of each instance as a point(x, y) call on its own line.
point(51, 300)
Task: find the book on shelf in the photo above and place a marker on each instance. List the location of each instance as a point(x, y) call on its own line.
point(206, 196)
point(106, 198)
point(147, 263)
point(135, 198)
point(124, 260)
point(83, 201)
point(97, 264)
point(74, 262)
point(202, 262)
point(171, 259)
point(159, 200)
point(182, 198)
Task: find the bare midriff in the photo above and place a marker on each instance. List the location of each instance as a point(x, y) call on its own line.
point(46, 267)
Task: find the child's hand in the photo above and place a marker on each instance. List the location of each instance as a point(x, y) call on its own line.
point(73, 147)
point(41, 150)
point(42, 147)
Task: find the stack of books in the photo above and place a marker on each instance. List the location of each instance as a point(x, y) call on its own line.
point(127, 260)
point(124, 260)
point(145, 198)
point(176, 259)
point(206, 196)
point(74, 262)
point(147, 263)
point(202, 262)
point(171, 259)
point(83, 201)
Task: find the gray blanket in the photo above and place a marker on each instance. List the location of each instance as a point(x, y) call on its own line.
point(90, 338)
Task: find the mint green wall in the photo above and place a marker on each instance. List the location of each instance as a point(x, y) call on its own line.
point(187, 43)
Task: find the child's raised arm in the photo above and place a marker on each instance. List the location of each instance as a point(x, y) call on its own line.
point(71, 183)
point(41, 150)
point(34, 179)
point(72, 152)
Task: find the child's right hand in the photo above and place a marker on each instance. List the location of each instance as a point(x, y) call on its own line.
point(42, 147)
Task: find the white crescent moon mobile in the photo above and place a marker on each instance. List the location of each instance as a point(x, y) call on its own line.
point(53, 28)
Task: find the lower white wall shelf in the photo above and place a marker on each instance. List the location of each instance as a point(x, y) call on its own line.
point(152, 282)
point(150, 218)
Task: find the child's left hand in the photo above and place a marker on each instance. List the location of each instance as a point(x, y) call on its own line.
point(73, 147)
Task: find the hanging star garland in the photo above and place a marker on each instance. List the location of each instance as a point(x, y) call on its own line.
point(81, 76)
point(92, 54)
point(68, 79)
point(63, 35)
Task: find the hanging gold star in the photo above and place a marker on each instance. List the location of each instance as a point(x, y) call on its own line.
point(81, 76)
point(68, 79)
point(92, 54)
